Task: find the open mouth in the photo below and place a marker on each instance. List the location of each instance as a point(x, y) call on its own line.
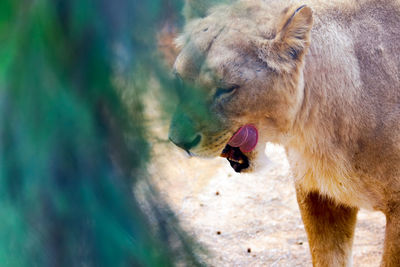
point(236, 158)
point(243, 141)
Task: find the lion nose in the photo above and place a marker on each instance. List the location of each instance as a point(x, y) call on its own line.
point(182, 132)
point(187, 144)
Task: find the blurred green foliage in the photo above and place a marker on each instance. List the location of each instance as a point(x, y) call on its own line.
point(69, 153)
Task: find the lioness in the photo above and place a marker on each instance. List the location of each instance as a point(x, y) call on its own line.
point(322, 78)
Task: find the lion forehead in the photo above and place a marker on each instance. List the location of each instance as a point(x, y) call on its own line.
point(226, 52)
point(223, 39)
point(195, 46)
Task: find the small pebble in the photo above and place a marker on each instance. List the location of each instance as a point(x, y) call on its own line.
point(249, 250)
point(218, 232)
point(217, 193)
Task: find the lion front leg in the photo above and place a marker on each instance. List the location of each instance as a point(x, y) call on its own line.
point(391, 250)
point(330, 229)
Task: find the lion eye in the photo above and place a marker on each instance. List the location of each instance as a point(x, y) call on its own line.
point(225, 91)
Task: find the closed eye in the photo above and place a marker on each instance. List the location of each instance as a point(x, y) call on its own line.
point(225, 91)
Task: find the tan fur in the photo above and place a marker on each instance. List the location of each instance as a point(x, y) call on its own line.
point(165, 41)
point(323, 80)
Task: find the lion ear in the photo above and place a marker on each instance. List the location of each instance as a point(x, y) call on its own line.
point(286, 51)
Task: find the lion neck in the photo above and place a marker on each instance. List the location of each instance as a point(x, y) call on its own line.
point(325, 121)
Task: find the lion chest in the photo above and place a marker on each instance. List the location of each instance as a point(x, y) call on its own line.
point(333, 180)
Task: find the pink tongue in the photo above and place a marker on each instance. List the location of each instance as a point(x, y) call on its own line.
point(245, 138)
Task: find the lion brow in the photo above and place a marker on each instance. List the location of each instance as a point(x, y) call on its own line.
point(201, 61)
point(214, 38)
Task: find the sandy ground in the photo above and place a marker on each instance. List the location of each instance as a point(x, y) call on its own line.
point(244, 219)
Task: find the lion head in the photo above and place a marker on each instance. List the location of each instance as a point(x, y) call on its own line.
point(241, 65)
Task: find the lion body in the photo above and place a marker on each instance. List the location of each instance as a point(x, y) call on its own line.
point(323, 83)
point(347, 143)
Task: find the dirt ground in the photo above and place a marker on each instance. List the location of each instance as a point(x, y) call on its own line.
point(244, 219)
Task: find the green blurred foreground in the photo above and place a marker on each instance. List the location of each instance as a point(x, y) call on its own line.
point(69, 154)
